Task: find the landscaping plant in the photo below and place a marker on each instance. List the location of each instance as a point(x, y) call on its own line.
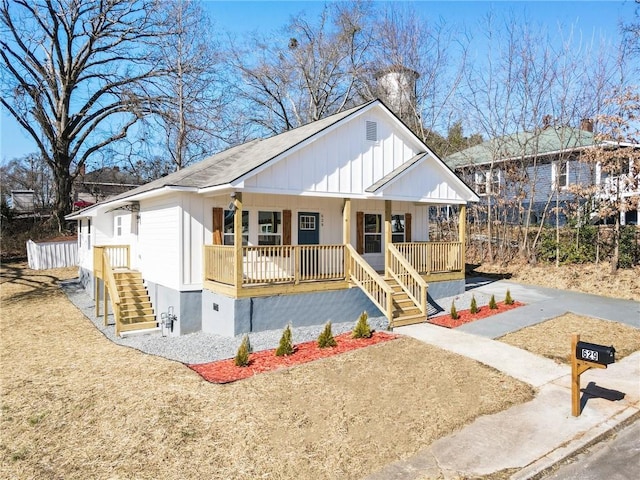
point(474, 305)
point(362, 329)
point(326, 339)
point(507, 299)
point(492, 303)
point(242, 356)
point(454, 312)
point(286, 346)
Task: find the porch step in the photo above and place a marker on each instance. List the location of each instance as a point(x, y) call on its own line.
point(137, 333)
point(136, 309)
point(408, 320)
point(405, 312)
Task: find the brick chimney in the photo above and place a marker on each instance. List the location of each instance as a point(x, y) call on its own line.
point(586, 124)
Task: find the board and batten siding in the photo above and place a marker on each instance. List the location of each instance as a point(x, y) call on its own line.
point(193, 218)
point(343, 161)
point(159, 241)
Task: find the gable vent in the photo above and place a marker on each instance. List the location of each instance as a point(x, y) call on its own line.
point(372, 131)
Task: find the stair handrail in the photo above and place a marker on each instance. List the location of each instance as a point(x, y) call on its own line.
point(372, 284)
point(110, 284)
point(416, 288)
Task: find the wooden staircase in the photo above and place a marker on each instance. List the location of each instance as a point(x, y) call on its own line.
point(136, 311)
point(405, 311)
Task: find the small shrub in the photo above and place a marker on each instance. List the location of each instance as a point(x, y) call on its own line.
point(286, 346)
point(362, 328)
point(492, 303)
point(474, 305)
point(507, 299)
point(326, 339)
point(454, 312)
point(242, 356)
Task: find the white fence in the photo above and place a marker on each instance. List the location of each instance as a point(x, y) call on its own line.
point(42, 256)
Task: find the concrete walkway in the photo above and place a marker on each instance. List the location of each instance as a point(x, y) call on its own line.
point(534, 436)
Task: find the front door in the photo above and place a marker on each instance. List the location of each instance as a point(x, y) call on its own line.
point(308, 234)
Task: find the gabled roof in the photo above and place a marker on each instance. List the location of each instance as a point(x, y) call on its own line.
point(231, 164)
point(395, 173)
point(523, 145)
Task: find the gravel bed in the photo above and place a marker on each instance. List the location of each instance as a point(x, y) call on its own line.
point(199, 347)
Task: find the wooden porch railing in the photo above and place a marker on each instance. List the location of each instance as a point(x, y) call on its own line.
point(275, 264)
point(372, 284)
point(105, 259)
point(408, 278)
point(433, 257)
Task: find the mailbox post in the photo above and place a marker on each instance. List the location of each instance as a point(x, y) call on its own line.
point(585, 356)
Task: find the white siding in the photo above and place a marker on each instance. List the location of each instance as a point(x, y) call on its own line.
point(192, 241)
point(343, 161)
point(159, 241)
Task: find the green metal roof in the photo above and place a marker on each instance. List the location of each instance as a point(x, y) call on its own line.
point(522, 145)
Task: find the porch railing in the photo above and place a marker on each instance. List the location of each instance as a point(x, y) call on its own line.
point(105, 259)
point(372, 284)
point(433, 257)
point(408, 278)
point(275, 263)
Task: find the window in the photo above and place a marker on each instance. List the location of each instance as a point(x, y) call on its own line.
point(486, 183)
point(228, 227)
point(561, 174)
point(397, 228)
point(269, 228)
point(372, 233)
point(79, 233)
point(89, 233)
point(118, 226)
point(307, 222)
point(481, 183)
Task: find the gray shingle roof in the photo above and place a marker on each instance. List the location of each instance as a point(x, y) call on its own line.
point(522, 144)
point(393, 174)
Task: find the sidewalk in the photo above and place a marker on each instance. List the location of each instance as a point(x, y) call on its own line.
point(534, 436)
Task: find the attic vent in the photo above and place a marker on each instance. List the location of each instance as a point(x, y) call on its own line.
point(372, 131)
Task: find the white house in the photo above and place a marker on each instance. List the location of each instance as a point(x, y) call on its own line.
point(318, 223)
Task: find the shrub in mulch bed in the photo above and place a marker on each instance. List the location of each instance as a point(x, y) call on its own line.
point(225, 371)
point(465, 316)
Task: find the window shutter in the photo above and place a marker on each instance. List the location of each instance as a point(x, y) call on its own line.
point(407, 227)
point(286, 227)
point(217, 225)
point(360, 232)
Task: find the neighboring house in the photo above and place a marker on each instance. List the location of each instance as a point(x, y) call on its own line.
point(315, 224)
point(525, 176)
point(23, 201)
point(99, 185)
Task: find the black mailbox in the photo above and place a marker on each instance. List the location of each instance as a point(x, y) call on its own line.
point(591, 352)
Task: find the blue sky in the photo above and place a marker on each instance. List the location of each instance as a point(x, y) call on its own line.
point(591, 19)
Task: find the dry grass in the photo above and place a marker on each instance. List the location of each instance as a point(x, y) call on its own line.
point(75, 405)
point(552, 339)
point(588, 278)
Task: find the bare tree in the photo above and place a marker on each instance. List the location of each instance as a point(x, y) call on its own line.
point(618, 158)
point(523, 87)
point(190, 99)
point(72, 74)
point(309, 72)
point(28, 173)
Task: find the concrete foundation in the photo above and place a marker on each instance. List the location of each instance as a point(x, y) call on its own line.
point(186, 306)
point(227, 316)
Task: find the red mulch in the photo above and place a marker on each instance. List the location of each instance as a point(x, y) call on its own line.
point(465, 316)
point(224, 371)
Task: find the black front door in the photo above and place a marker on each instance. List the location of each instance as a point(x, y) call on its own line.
point(308, 234)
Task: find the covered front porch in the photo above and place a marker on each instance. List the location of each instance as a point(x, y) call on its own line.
point(399, 290)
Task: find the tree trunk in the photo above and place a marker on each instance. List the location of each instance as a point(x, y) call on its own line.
point(62, 202)
point(615, 258)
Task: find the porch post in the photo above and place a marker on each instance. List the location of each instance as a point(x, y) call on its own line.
point(346, 235)
point(237, 240)
point(387, 236)
point(462, 229)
